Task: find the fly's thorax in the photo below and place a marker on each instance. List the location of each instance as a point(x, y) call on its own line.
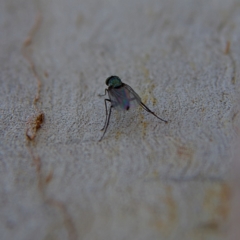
point(114, 82)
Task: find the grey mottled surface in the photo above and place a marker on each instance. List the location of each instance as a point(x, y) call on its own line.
point(146, 179)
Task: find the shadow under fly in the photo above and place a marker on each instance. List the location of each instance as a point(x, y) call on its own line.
point(121, 96)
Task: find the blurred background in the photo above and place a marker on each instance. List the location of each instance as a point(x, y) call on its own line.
point(145, 179)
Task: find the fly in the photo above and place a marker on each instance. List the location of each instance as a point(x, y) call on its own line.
point(121, 96)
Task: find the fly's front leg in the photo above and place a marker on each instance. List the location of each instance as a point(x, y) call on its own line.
point(107, 120)
point(101, 95)
point(105, 101)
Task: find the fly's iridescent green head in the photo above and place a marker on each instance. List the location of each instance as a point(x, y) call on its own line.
point(113, 81)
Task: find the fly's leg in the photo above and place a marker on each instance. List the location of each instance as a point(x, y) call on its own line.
point(107, 120)
point(101, 95)
point(148, 110)
point(105, 101)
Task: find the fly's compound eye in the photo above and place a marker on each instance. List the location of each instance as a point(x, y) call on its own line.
point(113, 81)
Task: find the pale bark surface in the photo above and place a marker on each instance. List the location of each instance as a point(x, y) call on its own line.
point(145, 179)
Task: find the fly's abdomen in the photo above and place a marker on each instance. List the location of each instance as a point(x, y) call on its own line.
point(126, 104)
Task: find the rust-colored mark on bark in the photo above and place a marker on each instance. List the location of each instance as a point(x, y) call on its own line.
point(33, 124)
point(217, 206)
point(171, 205)
point(37, 163)
point(228, 52)
point(225, 196)
point(184, 152)
point(42, 183)
point(79, 20)
point(210, 225)
point(72, 232)
point(49, 177)
point(118, 134)
point(46, 74)
point(227, 48)
point(151, 87)
point(144, 124)
point(166, 221)
point(33, 30)
point(27, 54)
point(154, 101)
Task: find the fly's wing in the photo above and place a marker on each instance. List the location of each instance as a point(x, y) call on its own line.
point(124, 97)
point(133, 96)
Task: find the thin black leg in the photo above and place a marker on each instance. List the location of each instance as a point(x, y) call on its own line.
point(101, 95)
point(148, 110)
point(108, 118)
point(105, 100)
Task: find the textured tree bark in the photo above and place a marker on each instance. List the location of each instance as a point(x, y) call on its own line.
point(145, 179)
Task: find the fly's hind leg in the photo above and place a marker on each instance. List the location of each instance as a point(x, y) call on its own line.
point(148, 110)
